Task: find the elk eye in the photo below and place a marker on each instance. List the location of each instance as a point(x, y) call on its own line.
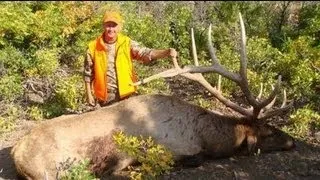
point(268, 135)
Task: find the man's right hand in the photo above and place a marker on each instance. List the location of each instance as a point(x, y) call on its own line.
point(91, 100)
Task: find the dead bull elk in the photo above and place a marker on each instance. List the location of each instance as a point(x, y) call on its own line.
point(185, 129)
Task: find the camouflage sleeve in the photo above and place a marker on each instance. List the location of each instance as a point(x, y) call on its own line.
point(88, 67)
point(140, 53)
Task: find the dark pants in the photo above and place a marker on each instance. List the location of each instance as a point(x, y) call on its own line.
point(113, 99)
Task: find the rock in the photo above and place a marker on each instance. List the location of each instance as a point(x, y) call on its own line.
point(34, 98)
point(241, 175)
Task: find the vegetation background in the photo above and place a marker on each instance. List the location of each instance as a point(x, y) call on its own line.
point(43, 45)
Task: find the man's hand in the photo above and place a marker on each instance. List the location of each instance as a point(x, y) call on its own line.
point(91, 100)
point(173, 53)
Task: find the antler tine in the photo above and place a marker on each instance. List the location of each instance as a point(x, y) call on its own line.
point(284, 107)
point(243, 67)
point(259, 95)
point(211, 48)
point(219, 83)
point(194, 49)
point(270, 105)
point(216, 67)
point(260, 92)
point(275, 112)
point(272, 95)
point(284, 99)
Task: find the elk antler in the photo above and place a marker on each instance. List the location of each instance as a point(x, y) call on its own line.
point(260, 109)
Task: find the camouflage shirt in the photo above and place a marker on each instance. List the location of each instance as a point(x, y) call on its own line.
point(138, 52)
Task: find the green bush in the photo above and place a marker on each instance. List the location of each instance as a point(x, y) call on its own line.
point(35, 113)
point(70, 92)
point(296, 67)
point(79, 171)
point(46, 62)
point(155, 86)
point(200, 101)
point(13, 31)
point(9, 117)
point(309, 21)
point(155, 159)
point(53, 108)
point(301, 121)
point(11, 87)
point(12, 60)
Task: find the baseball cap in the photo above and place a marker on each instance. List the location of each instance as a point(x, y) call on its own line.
point(112, 16)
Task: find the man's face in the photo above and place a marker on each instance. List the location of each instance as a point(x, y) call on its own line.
point(111, 29)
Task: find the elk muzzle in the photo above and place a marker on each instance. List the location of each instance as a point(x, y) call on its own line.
point(273, 139)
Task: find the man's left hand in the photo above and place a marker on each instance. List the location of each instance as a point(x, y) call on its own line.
point(173, 53)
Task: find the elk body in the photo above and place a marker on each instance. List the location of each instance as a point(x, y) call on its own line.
point(183, 128)
point(192, 131)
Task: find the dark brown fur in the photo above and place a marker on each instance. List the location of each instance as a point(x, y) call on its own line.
point(102, 152)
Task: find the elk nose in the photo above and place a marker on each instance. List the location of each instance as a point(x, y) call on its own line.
point(293, 144)
point(289, 144)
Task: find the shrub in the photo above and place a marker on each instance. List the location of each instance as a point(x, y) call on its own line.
point(155, 86)
point(35, 113)
point(200, 101)
point(11, 87)
point(10, 113)
point(46, 62)
point(155, 159)
point(301, 121)
point(53, 108)
point(70, 92)
point(295, 65)
point(78, 171)
point(12, 60)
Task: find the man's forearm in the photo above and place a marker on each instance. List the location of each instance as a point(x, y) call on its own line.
point(160, 53)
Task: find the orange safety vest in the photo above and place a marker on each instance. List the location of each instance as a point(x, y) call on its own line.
point(126, 75)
